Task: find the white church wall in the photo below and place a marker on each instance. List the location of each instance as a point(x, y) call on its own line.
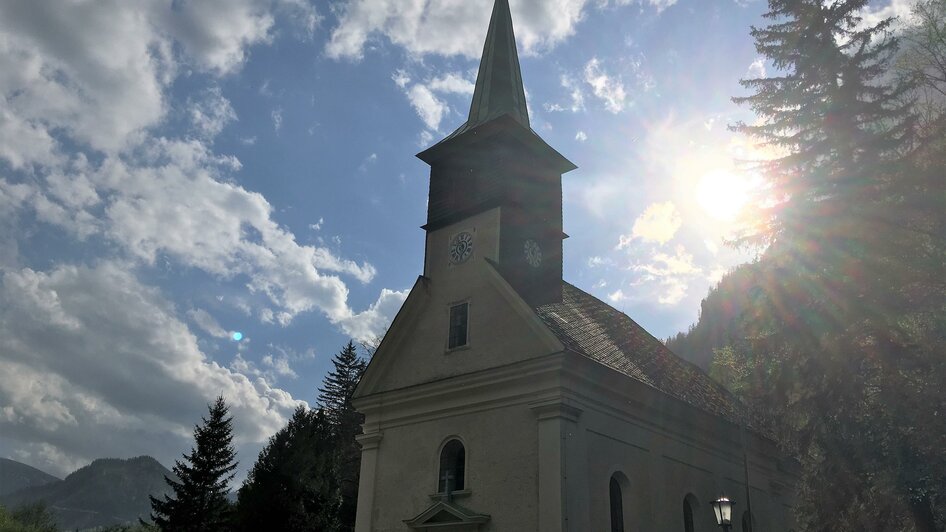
point(498, 335)
point(500, 472)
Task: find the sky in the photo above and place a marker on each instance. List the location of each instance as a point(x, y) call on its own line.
point(202, 198)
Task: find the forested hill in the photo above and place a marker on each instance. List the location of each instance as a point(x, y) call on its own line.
point(720, 315)
point(106, 492)
point(15, 476)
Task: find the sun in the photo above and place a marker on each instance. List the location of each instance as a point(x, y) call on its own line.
point(723, 194)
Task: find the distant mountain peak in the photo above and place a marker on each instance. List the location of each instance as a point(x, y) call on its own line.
point(15, 476)
point(109, 491)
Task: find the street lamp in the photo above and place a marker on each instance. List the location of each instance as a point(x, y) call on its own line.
point(723, 508)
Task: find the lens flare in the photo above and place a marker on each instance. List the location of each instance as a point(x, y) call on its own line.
point(723, 194)
point(237, 336)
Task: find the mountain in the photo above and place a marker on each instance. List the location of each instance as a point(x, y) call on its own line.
point(108, 491)
point(721, 314)
point(15, 476)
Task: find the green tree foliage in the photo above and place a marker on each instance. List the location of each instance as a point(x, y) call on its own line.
point(335, 397)
point(27, 518)
point(837, 125)
point(199, 502)
point(924, 61)
point(307, 476)
point(292, 487)
point(841, 337)
point(139, 527)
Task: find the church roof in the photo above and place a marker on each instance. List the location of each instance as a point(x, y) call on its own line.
point(588, 326)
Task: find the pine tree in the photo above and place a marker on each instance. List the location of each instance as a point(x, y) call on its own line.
point(335, 397)
point(292, 486)
point(200, 503)
point(836, 343)
point(840, 127)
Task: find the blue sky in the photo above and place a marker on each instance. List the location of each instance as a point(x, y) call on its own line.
point(174, 171)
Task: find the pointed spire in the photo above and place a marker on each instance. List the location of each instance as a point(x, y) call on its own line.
point(499, 88)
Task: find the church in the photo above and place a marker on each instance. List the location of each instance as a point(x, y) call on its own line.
point(503, 398)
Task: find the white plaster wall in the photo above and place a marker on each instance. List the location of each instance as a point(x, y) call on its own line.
point(500, 469)
point(497, 335)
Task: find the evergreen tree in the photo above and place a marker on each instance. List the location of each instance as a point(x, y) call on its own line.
point(840, 341)
point(335, 396)
point(292, 486)
point(200, 501)
point(840, 127)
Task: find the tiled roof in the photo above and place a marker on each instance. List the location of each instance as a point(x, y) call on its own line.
point(590, 327)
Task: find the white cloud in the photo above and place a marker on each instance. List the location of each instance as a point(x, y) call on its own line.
point(207, 322)
point(276, 116)
point(211, 114)
point(448, 27)
point(429, 108)
point(97, 364)
point(575, 95)
point(173, 202)
point(608, 88)
point(669, 274)
point(756, 70)
point(400, 78)
point(452, 83)
point(424, 98)
point(874, 14)
point(99, 71)
point(581, 136)
point(279, 364)
point(371, 323)
point(424, 139)
point(658, 223)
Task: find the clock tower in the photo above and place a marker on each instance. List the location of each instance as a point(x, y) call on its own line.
point(495, 160)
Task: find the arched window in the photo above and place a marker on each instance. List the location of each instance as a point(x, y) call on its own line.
point(689, 504)
point(617, 505)
point(452, 467)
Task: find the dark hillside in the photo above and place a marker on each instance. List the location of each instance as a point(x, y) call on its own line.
point(15, 476)
point(720, 316)
point(108, 491)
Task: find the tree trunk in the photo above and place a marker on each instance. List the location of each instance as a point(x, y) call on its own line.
point(923, 515)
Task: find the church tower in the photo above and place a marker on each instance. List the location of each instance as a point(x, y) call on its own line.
point(505, 399)
point(495, 160)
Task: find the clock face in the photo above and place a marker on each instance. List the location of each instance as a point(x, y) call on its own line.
point(533, 253)
point(461, 247)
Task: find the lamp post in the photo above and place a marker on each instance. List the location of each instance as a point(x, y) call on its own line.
point(723, 508)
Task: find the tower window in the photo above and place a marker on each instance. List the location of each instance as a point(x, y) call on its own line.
point(452, 467)
point(459, 325)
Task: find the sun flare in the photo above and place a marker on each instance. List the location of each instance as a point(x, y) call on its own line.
point(723, 194)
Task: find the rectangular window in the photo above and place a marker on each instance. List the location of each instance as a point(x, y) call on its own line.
point(459, 324)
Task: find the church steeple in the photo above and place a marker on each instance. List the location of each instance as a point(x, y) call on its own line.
point(499, 87)
point(496, 162)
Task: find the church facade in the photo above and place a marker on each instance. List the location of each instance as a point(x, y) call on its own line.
point(505, 399)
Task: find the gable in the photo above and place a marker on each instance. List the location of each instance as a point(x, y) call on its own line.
point(446, 515)
point(503, 330)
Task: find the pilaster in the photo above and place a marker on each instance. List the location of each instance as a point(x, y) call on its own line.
point(556, 420)
point(369, 461)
